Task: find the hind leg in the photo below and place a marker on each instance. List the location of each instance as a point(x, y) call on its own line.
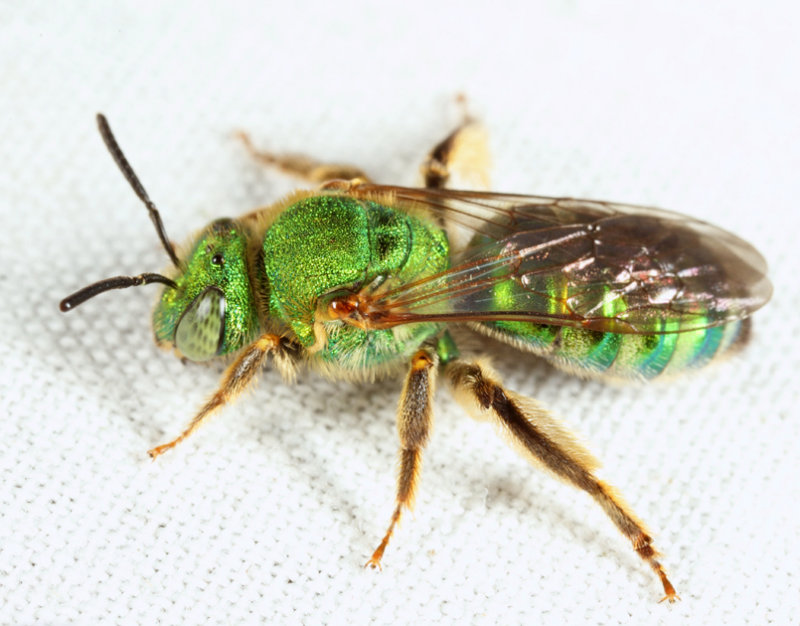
point(545, 441)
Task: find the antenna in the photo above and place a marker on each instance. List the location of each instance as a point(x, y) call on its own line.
point(136, 185)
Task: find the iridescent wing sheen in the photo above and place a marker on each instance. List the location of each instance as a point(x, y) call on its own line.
point(596, 265)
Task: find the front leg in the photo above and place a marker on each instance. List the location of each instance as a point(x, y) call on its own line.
point(414, 419)
point(302, 166)
point(238, 376)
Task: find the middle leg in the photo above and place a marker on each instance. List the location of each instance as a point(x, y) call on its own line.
point(414, 419)
point(461, 160)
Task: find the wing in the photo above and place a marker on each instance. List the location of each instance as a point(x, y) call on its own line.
point(596, 265)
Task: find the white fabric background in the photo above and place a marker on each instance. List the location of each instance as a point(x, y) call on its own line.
point(269, 513)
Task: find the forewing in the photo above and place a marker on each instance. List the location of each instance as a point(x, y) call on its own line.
point(597, 265)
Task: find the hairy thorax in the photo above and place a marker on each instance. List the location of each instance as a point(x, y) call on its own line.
point(325, 246)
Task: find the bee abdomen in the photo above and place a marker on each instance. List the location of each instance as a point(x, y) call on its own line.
point(628, 356)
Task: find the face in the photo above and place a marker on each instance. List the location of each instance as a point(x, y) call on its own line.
point(211, 311)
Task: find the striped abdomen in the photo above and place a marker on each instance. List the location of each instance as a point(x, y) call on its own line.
point(622, 356)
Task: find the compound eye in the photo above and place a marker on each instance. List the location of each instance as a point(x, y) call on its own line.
point(201, 329)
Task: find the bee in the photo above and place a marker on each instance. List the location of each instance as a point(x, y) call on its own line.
point(359, 281)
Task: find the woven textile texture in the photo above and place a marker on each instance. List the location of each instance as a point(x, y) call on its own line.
point(269, 513)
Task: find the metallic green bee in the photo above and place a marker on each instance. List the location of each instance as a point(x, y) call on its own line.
point(358, 281)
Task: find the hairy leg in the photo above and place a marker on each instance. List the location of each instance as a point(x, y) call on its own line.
point(238, 376)
point(546, 442)
point(414, 419)
point(303, 166)
point(461, 160)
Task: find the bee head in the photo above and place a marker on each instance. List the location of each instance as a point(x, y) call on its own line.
point(211, 309)
point(207, 308)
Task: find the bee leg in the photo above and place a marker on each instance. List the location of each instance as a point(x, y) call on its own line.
point(236, 378)
point(461, 160)
point(414, 419)
point(302, 166)
point(545, 441)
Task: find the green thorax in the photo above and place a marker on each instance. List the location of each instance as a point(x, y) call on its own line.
point(325, 244)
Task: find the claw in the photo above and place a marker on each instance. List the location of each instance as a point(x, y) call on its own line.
point(374, 563)
point(159, 450)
